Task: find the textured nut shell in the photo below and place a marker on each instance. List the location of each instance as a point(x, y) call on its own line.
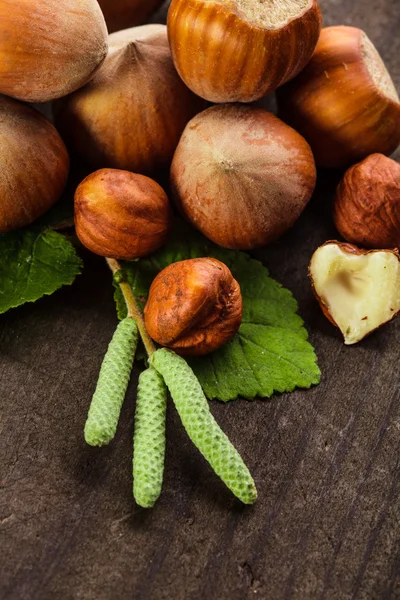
point(241, 176)
point(367, 203)
point(34, 165)
point(350, 249)
point(337, 107)
point(132, 114)
point(194, 306)
point(49, 48)
point(222, 57)
point(120, 214)
point(120, 14)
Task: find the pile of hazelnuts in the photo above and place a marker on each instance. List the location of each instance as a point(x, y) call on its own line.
point(133, 104)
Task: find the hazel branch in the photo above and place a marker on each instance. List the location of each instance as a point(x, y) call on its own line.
point(133, 308)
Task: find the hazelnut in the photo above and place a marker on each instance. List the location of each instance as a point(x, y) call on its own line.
point(131, 115)
point(34, 165)
point(367, 203)
point(344, 102)
point(239, 50)
point(358, 290)
point(126, 13)
point(121, 215)
point(49, 48)
point(194, 306)
point(241, 175)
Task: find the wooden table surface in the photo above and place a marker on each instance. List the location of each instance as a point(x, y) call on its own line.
point(326, 461)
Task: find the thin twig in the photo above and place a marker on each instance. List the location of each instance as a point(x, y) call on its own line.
point(133, 308)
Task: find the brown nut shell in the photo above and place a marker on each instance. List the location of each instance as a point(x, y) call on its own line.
point(120, 14)
point(237, 50)
point(344, 102)
point(132, 114)
point(367, 204)
point(242, 176)
point(194, 306)
point(121, 215)
point(34, 165)
point(49, 48)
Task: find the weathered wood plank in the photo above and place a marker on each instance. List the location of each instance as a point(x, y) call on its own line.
point(326, 461)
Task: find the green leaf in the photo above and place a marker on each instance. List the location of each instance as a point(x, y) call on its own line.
point(270, 353)
point(34, 263)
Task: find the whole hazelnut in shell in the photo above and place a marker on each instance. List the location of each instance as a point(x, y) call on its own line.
point(34, 165)
point(121, 215)
point(242, 176)
point(131, 115)
point(194, 306)
point(49, 48)
point(344, 102)
point(120, 14)
point(367, 203)
point(240, 50)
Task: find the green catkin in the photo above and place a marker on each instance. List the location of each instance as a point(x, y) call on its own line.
point(149, 438)
point(200, 425)
point(112, 384)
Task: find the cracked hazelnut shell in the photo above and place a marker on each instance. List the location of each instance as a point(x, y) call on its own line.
point(240, 50)
point(358, 290)
point(194, 306)
point(49, 48)
point(366, 210)
point(121, 215)
point(241, 176)
point(120, 14)
point(34, 165)
point(344, 102)
point(132, 114)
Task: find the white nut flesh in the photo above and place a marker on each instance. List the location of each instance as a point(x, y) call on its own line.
point(360, 292)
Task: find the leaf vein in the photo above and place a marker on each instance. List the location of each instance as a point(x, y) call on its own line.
point(279, 356)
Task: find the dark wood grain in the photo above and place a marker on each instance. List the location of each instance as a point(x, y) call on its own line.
point(326, 461)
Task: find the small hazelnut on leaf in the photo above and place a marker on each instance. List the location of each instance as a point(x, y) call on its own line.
point(132, 113)
point(120, 14)
point(358, 290)
point(49, 48)
point(34, 165)
point(241, 175)
point(194, 306)
point(367, 204)
point(344, 102)
point(121, 215)
point(240, 50)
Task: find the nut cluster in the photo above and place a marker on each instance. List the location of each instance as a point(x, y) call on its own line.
point(132, 104)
